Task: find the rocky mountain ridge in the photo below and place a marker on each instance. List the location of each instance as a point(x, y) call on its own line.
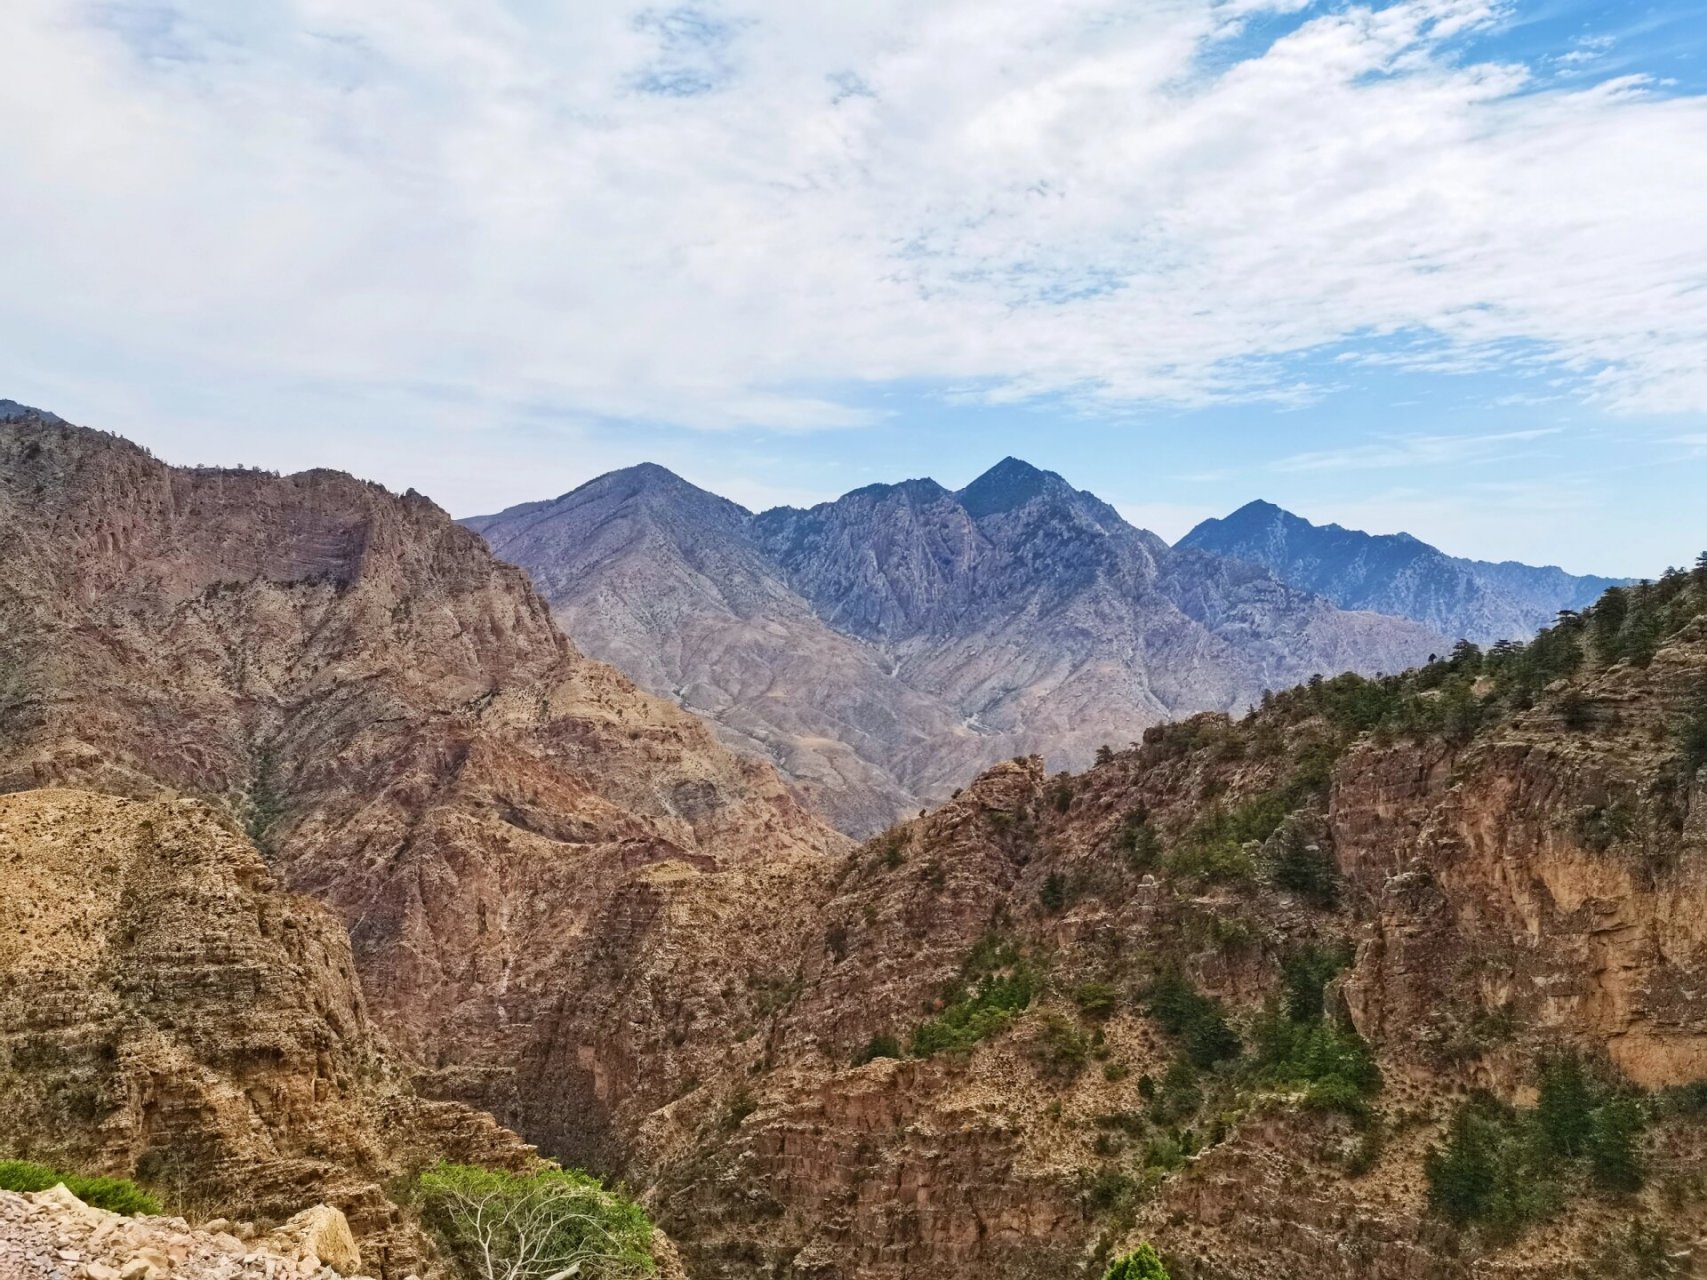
point(884, 647)
point(1243, 990)
point(1463, 599)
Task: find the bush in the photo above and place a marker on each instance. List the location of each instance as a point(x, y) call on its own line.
point(499, 1225)
point(995, 986)
point(1196, 1020)
point(1097, 1000)
point(1306, 869)
point(880, 1046)
point(116, 1195)
point(1141, 1264)
point(1062, 1050)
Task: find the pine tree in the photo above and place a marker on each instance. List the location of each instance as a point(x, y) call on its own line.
point(1565, 1109)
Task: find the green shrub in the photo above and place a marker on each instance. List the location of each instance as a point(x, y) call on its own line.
point(498, 1224)
point(1306, 869)
point(1062, 1050)
point(1097, 1000)
point(116, 1195)
point(1053, 895)
point(1615, 1146)
point(879, 1046)
point(1141, 1264)
point(1108, 1190)
point(1196, 1020)
point(996, 985)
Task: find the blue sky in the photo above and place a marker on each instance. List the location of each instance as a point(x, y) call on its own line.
point(1433, 265)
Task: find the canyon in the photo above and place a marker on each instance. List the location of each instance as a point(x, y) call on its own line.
point(325, 854)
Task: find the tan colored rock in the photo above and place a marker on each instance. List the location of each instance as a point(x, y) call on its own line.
point(320, 1233)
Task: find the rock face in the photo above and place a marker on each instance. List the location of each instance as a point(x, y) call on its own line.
point(1493, 911)
point(883, 648)
point(1395, 573)
point(403, 730)
point(52, 1235)
point(168, 1011)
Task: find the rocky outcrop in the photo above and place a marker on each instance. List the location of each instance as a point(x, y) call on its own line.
point(1494, 915)
point(883, 648)
point(1394, 573)
point(394, 718)
point(168, 1011)
point(52, 1235)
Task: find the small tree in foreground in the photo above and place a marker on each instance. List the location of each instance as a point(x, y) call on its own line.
point(1141, 1264)
point(552, 1225)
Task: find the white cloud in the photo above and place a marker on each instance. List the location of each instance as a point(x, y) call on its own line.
point(1413, 451)
point(727, 214)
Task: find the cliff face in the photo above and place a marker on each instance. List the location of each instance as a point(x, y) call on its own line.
point(1500, 897)
point(883, 648)
point(404, 731)
point(1474, 600)
point(169, 1012)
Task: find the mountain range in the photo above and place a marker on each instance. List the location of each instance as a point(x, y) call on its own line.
point(882, 648)
point(1477, 600)
point(319, 839)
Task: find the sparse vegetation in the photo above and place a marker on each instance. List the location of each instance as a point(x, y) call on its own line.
point(116, 1195)
point(996, 984)
point(554, 1223)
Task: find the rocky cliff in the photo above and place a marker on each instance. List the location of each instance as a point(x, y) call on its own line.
point(169, 1012)
point(1002, 1046)
point(1394, 573)
point(393, 717)
point(883, 648)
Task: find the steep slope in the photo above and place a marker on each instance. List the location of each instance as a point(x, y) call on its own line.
point(883, 648)
point(407, 735)
point(663, 580)
point(1039, 613)
point(1397, 574)
point(1227, 991)
point(168, 1012)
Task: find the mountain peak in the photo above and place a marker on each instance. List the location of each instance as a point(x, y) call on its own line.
point(1011, 483)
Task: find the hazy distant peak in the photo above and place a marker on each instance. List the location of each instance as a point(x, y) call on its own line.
point(1397, 573)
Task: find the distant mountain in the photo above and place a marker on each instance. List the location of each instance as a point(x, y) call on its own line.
point(884, 647)
point(1397, 574)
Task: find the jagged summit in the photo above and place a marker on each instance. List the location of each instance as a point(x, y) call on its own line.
point(1397, 573)
point(1011, 483)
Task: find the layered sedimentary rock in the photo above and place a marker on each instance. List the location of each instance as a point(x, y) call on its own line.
point(169, 1012)
point(390, 712)
point(1531, 889)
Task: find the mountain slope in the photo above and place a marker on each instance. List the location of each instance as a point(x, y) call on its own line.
point(884, 647)
point(391, 711)
point(1227, 991)
point(1396, 574)
point(664, 581)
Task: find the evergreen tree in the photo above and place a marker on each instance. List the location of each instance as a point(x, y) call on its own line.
point(1565, 1109)
point(1615, 1146)
point(1463, 1176)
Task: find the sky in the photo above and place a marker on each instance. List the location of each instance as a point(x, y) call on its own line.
point(1428, 265)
